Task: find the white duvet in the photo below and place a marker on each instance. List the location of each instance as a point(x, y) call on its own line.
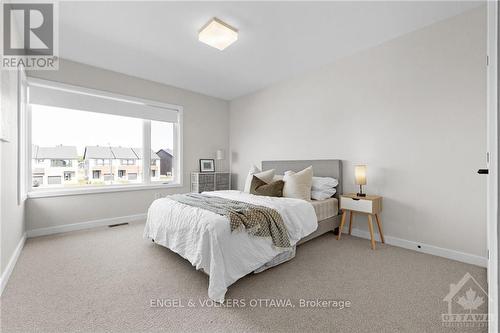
point(205, 239)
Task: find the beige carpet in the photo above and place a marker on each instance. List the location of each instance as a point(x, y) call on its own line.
point(103, 280)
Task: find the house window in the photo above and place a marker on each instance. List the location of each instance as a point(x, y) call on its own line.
point(60, 163)
point(68, 175)
point(37, 181)
point(90, 136)
point(102, 162)
point(127, 162)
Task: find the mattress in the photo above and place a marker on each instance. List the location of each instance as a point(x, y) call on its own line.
point(325, 208)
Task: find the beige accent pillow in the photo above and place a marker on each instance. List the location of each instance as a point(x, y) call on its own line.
point(266, 176)
point(298, 184)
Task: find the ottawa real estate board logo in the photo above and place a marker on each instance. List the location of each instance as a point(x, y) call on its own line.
point(467, 304)
point(30, 35)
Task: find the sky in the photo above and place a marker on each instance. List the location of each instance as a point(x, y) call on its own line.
point(57, 126)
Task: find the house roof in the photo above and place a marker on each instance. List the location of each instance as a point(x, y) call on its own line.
point(98, 152)
point(124, 153)
point(138, 152)
point(57, 152)
point(165, 150)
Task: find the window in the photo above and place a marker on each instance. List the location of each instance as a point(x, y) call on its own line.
point(68, 175)
point(127, 162)
point(60, 163)
point(97, 139)
point(101, 162)
point(37, 181)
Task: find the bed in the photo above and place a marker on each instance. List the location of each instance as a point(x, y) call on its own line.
point(205, 239)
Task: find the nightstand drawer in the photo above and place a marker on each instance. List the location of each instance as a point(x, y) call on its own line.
point(359, 205)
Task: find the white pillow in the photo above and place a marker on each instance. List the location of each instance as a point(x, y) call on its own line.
point(298, 184)
point(266, 176)
point(322, 195)
point(277, 177)
point(321, 183)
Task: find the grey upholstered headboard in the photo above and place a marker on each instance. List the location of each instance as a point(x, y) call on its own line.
point(321, 168)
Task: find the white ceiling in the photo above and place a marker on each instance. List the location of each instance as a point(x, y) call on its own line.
point(277, 40)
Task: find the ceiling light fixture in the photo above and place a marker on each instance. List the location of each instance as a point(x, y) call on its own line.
point(218, 34)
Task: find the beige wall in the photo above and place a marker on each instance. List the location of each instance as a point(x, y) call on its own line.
point(413, 109)
point(11, 213)
point(206, 124)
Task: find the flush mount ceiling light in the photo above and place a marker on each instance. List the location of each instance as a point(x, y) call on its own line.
point(218, 34)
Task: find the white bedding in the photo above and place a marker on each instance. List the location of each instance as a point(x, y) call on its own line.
point(205, 239)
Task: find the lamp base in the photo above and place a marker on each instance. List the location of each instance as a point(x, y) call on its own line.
point(360, 193)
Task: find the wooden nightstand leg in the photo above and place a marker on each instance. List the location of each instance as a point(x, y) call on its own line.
point(380, 229)
point(344, 213)
point(370, 226)
point(350, 221)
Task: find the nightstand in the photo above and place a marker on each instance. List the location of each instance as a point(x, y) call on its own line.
point(210, 181)
point(371, 205)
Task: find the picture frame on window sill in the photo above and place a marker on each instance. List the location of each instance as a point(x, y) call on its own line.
point(207, 165)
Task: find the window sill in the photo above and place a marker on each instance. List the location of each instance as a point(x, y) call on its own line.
point(60, 192)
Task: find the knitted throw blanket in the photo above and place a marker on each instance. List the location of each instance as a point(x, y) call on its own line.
point(256, 220)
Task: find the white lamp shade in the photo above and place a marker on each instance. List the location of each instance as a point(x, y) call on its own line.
point(221, 154)
point(360, 174)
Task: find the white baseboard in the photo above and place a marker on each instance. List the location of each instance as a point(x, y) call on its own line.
point(425, 248)
point(12, 262)
point(85, 225)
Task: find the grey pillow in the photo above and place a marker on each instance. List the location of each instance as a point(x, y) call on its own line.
point(260, 187)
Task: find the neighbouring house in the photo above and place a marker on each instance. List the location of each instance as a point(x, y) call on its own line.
point(54, 165)
point(155, 163)
point(98, 164)
point(126, 164)
point(117, 164)
point(166, 156)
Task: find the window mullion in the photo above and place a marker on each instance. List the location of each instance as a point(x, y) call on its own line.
point(146, 151)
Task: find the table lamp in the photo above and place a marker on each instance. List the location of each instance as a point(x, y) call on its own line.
point(360, 178)
point(220, 155)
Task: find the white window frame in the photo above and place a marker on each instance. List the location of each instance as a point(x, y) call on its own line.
point(146, 161)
